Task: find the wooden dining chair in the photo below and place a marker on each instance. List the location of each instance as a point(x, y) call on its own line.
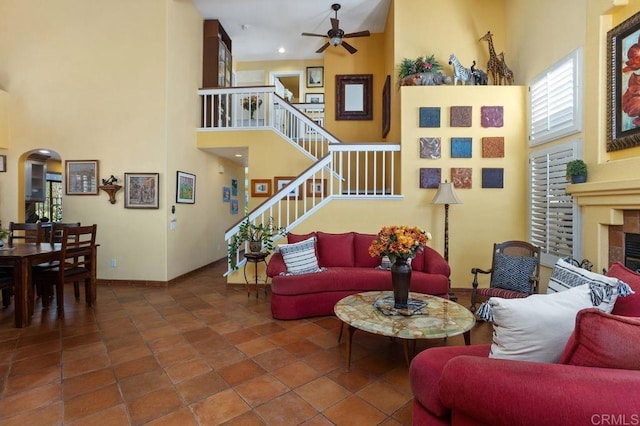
point(18, 231)
point(26, 232)
point(76, 259)
point(56, 230)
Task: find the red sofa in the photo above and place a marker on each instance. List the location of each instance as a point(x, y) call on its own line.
point(349, 270)
point(461, 385)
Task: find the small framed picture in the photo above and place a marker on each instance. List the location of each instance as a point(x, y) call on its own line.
point(314, 98)
point(186, 188)
point(234, 187)
point(315, 76)
point(234, 206)
point(3, 163)
point(316, 187)
point(282, 181)
point(81, 177)
point(226, 194)
point(319, 122)
point(141, 190)
point(260, 187)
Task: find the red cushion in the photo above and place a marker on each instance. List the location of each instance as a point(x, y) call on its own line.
point(296, 238)
point(604, 340)
point(361, 243)
point(417, 263)
point(628, 306)
point(335, 249)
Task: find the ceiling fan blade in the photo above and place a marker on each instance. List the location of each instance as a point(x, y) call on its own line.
point(314, 35)
point(357, 34)
point(349, 47)
point(323, 48)
point(335, 24)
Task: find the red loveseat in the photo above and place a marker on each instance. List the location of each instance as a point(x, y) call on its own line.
point(596, 382)
point(349, 270)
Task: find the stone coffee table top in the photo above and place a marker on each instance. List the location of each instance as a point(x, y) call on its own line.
point(443, 318)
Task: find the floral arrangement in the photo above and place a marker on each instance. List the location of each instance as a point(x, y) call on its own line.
point(419, 65)
point(251, 103)
point(398, 242)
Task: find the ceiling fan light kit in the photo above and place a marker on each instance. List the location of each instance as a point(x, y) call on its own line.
point(336, 35)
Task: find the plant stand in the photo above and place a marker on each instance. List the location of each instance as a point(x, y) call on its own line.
point(255, 258)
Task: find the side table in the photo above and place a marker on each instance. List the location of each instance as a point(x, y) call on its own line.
point(255, 258)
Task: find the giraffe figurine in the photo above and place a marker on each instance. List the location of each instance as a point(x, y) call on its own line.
point(494, 67)
point(507, 74)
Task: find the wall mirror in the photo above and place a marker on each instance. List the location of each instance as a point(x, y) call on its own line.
point(353, 97)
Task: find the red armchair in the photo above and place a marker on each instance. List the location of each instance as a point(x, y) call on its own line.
point(596, 382)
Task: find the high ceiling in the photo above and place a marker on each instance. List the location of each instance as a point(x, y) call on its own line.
point(258, 28)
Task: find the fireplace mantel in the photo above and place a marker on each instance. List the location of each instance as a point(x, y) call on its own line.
point(617, 193)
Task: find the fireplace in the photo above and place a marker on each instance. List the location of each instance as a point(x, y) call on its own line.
point(632, 251)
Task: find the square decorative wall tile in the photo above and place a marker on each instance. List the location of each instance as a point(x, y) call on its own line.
point(491, 116)
point(429, 116)
point(461, 177)
point(493, 147)
point(460, 147)
point(493, 178)
point(430, 177)
point(460, 116)
point(430, 148)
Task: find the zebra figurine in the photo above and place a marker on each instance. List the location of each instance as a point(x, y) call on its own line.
point(460, 73)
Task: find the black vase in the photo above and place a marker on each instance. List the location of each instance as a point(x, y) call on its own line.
point(401, 280)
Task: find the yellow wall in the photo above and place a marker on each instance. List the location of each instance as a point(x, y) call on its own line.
point(116, 82)
point(4, 119)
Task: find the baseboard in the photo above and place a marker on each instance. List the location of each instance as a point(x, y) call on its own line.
point(149, 283)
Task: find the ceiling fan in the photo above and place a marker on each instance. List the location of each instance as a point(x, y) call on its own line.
point(336, 34)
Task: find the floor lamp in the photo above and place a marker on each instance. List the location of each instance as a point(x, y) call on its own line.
point(446, 195)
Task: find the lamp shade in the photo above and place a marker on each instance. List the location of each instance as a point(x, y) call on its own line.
point(446, 194)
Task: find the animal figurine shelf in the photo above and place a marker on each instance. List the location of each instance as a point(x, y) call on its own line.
point(507, 74)
point(494, 66)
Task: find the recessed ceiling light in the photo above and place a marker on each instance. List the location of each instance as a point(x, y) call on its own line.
point(281, 50)
point(238, 155)
point(44, 151)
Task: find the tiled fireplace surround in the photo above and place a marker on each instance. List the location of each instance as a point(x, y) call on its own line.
point(631, 225)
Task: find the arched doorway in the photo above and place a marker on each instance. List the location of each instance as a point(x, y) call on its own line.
point(42, 186)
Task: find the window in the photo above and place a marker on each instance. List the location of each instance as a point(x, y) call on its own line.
point(555, 100)
point(51, 208)
point(554, 221)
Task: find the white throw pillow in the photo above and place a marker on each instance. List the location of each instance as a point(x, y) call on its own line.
point(300, 257)
point(538, 327)
point(604, 290)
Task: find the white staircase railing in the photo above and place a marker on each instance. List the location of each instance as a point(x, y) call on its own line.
point(349, 171)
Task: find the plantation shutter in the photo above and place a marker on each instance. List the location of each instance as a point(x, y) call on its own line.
point(555, 101)
point(553, 221)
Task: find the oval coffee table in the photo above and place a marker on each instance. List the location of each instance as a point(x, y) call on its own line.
point(443, 318)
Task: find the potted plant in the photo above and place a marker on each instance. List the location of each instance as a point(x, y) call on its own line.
point(3, 234)
point(577, 171)
point(259, 237)
point(422, 71)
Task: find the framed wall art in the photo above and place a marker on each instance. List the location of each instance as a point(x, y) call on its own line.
point(226, 194)
point(354, 97)
point(186, 188)
point(81, 177)
point(316, 187)
point(623, 82)
point(315, 77)
point(234, 187)
point(234, 206)
point(282, 181)
point(314, 98)
point(260, 188)
point(3, 163)
point(141, 190)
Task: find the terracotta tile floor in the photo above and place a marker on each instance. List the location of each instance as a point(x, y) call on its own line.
point(198, 353)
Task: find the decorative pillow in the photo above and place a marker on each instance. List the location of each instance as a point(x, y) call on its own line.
point(335, 249)
point(629, 306)
point(537, 327)
point(361, 243)
point(300, 258)
point(513, 272)
point(385, 263)
point(604, 340)
point(604, 290)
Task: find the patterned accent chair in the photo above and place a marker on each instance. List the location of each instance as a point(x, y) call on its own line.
point(514, 273)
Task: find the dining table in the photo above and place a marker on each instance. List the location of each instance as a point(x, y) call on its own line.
point(22, 256)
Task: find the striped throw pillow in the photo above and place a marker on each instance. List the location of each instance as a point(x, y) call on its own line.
point(300, 258)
